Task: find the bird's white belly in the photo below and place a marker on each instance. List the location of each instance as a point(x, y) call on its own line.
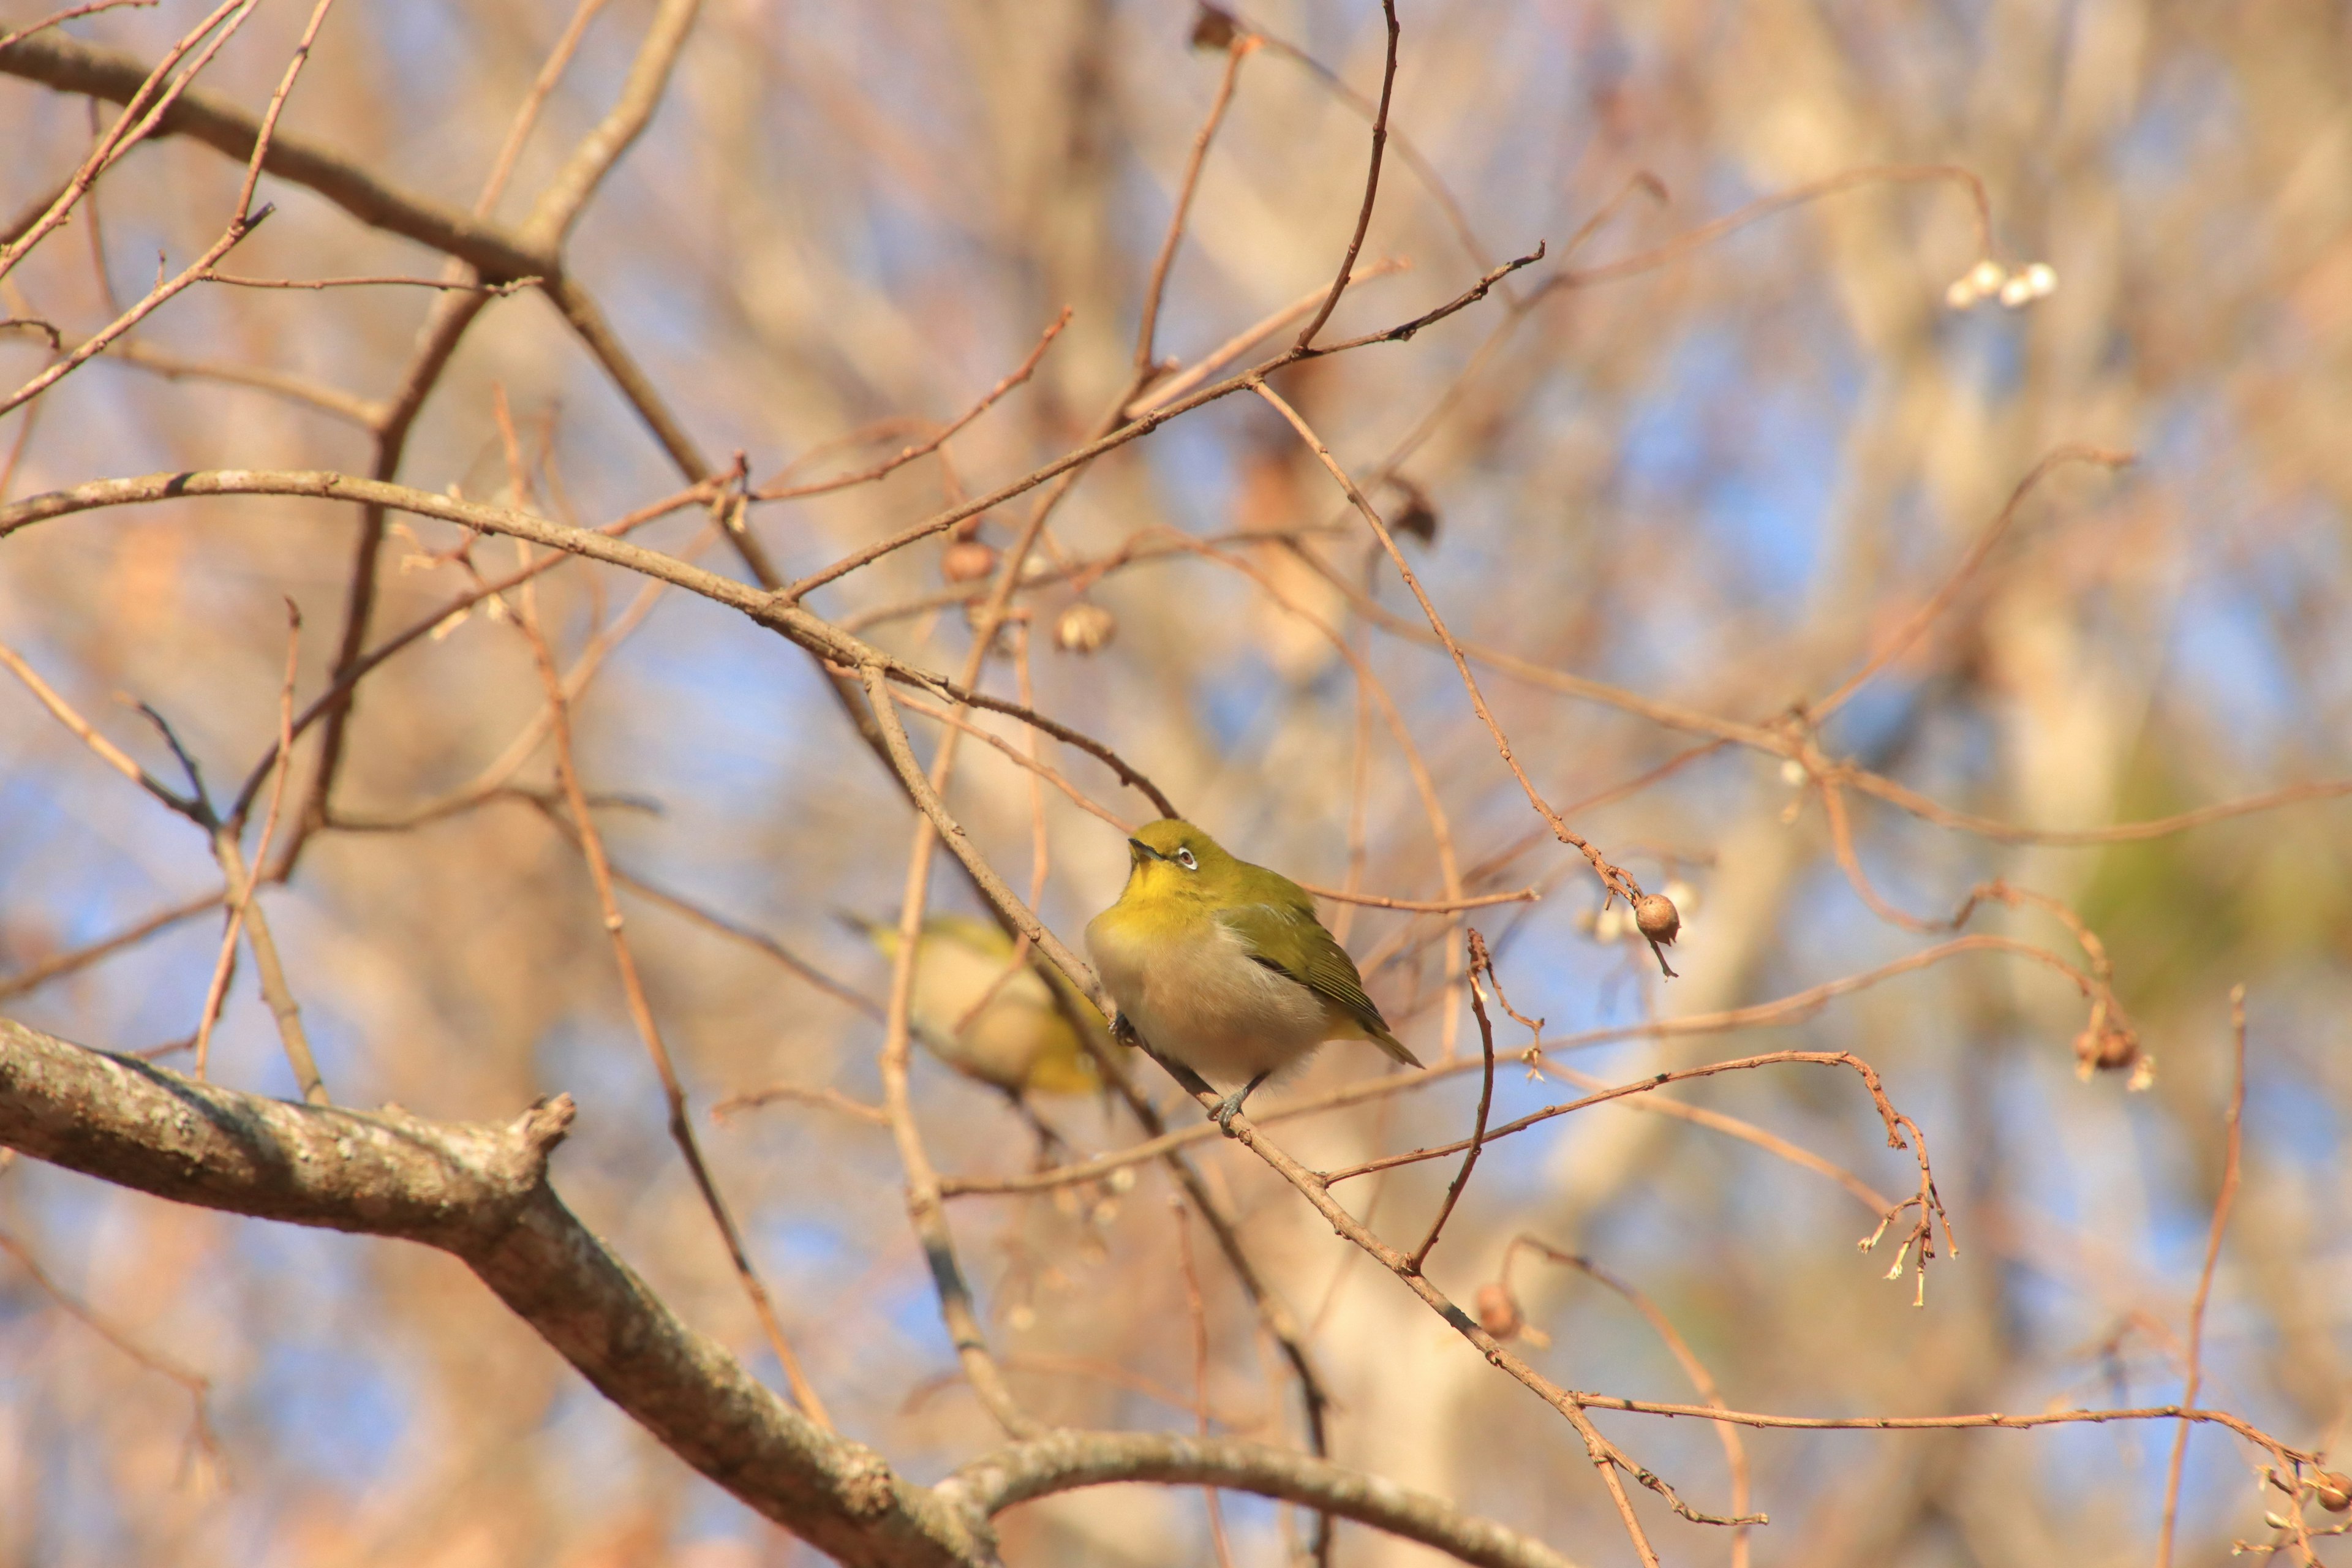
point(1204, 1002)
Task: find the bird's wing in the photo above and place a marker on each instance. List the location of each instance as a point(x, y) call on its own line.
point(1315, 960)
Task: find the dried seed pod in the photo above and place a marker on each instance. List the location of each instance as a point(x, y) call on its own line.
point(1213, 28)
point(1497, 1314)
point(1418, 519)
point(1657, 918)
point(1085, 628)
point(2108, 1046)
point(2334, 1490)
point(967, 561)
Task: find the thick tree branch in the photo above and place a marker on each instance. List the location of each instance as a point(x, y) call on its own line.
point(480, 1192)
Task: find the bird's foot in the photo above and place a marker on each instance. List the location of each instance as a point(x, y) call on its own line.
point(1121, 1031)
point(1231, 1106)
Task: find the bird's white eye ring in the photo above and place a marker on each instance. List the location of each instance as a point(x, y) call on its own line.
point(1184, 859)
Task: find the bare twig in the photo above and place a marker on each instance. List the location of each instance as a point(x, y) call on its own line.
point(382, 280)
point(1480, 963)
point(198, 1386)
point(1615, 879)
point(1734, 1452)
point(1371, 187)
point(830, 1098)
point(1197, 1310)
point(269, 116)
point(216, 991)
point(1147, 333)
point(37, 974)
point(2205, 1276)
point(1925, 615)
point(775, 491)
point(55, 17)
point(681, 1122)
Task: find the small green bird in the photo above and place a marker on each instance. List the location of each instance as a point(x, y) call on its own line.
point(1222, 965)
point(987, 1019)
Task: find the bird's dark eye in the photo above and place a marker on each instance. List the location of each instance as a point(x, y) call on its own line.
point(1184, 859)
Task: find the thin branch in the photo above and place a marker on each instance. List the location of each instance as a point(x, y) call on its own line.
point(1196, 1310)
point(1980, 208)
point(1371, 187)
point(110, 754)
point(1793, 1008)
point(217, 992)
point(1403, 331)
point(526, 114)
point(1734, 1452)
point(198, 1386)
point(2205, 1276)
point(1063, 1461)
point(818, 636)
point(905, 455)
point(57, 17)
point(276, 106)
point(1612, 877)
point(329, 702)
point(1925, 615)
point(1480, 963)
point(143, 94)
point(269, 970)
point(926, 1212)
point(37, 974)
point(681, 1123)
point(384, 280)
point(162, 294)
point(830, 1098)
point(1166, 391)
point(1147, 333)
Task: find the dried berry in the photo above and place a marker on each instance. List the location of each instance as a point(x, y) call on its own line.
point(1497, 1314)
point(967, 561)
point(1085, 628)
point(1657, 918)
point(2334, 1490)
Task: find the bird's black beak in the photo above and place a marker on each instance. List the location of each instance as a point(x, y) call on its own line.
point(1143, 851)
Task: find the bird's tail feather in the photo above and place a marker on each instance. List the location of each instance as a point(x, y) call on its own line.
point(1394, 1047)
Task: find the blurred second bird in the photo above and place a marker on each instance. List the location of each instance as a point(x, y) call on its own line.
point(988, 1017)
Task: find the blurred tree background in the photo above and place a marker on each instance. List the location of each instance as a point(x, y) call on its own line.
point(1674, 503)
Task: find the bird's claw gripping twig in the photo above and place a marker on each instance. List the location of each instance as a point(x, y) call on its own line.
point(1231, 1106)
